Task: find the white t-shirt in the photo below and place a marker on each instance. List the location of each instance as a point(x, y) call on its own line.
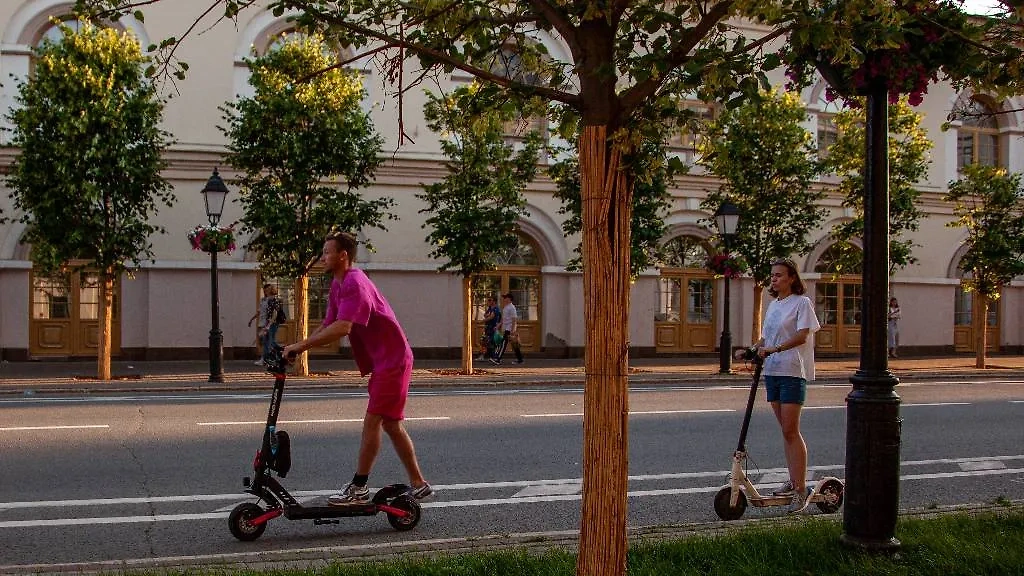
point(509, 317)
point(782, 321)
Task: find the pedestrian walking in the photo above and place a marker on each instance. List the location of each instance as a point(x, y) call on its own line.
point(492, 317)
point(510, 327)
point(892, 326)
point(269, 318)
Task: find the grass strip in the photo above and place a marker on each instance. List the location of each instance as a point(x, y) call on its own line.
point(988, 543)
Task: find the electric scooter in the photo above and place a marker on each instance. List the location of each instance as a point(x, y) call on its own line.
point(248, 520)
point(731, 501)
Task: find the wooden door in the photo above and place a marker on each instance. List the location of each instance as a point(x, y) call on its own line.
point(966, 322)
point(317, 292)
point(524, 283)
point(838, 307)
point(65, 315)
point(685, 321)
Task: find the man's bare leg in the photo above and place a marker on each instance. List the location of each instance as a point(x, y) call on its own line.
point(405, 450)
point(369, 446)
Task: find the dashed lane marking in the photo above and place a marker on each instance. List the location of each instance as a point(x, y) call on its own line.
point(69, 427)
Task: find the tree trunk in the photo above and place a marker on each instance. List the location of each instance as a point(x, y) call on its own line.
point(302, 322)
point(758, 303)
point(467, 325)
point(106, 314)
point(981, 332)
point(607, 204)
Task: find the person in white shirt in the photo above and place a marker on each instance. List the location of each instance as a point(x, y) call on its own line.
point(787, 347)
point(892, 326)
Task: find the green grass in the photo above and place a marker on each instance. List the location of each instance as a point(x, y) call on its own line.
point(983, 544)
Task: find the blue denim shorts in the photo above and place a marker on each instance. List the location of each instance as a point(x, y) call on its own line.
point(786, 389)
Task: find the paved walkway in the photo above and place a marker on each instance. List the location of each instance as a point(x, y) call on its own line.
point(78, 376)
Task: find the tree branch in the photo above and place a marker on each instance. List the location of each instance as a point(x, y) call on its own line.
point(560, 20)
point(640, 91)
point(550, 93)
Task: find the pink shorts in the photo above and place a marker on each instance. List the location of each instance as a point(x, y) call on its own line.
point(388, 390)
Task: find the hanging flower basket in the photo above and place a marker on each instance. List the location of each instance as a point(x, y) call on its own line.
point(212, 238)
point(903, 52)
point(725, 265)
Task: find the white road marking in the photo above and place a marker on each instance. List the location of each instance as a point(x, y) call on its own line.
point(936, 404)
point(961, 474)
point(548, 490)
point(316, 421)
point(74, 427)
point(825, 407)
point(632, 413)
point(982, 465)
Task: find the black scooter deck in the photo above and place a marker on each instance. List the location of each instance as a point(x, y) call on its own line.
point(315, 512)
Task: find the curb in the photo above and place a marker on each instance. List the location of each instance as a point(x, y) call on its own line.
point(533, 542)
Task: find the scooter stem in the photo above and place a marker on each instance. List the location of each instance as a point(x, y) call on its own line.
point(741, 445)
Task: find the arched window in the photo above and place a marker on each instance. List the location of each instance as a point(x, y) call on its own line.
point(977, 139)
point(510, 63)
point(827, 132)
point(840, 258)
point(687, 140)
point(54, 34)
point(521, 253)
point(686, 252)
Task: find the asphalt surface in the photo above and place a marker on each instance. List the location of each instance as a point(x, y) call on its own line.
point(148, 451)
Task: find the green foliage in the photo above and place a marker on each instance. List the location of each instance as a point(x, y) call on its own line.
point(651, 203)
point(989, 204)
point(305, 146)
point(87, 180)
point(908, 164)
point(475, 208)
point(767, 162)
point(903, 44)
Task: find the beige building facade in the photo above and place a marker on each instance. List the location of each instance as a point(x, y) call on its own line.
point(163, 310)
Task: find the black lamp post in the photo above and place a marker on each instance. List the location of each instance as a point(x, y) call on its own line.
point(727, 218)
point(873, 424)
point(214, 194)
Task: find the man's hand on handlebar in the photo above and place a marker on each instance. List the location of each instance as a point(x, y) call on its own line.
point(290, 352)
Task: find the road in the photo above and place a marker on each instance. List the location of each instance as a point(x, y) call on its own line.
point(98, 478)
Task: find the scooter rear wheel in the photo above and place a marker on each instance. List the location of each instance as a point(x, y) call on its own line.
point(409, 505)
point(240, 522)
point(724, 510)
point(831, 491)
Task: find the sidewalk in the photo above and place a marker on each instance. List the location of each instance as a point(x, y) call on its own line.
point(80, 376)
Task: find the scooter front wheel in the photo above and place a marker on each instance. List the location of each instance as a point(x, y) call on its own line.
point(240, 522)
point(411, 507)
point(724, 510)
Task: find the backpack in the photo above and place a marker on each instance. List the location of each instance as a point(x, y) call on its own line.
point(281, 317)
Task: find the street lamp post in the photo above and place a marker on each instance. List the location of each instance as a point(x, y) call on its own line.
point(727, 218)
point(214, 194)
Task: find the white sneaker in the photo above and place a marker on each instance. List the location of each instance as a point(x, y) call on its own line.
point(352, 494)
point(800, 501)
point(785, 490)
point(259, 362)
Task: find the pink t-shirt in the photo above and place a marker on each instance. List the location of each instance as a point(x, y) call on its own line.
point(378, 342)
